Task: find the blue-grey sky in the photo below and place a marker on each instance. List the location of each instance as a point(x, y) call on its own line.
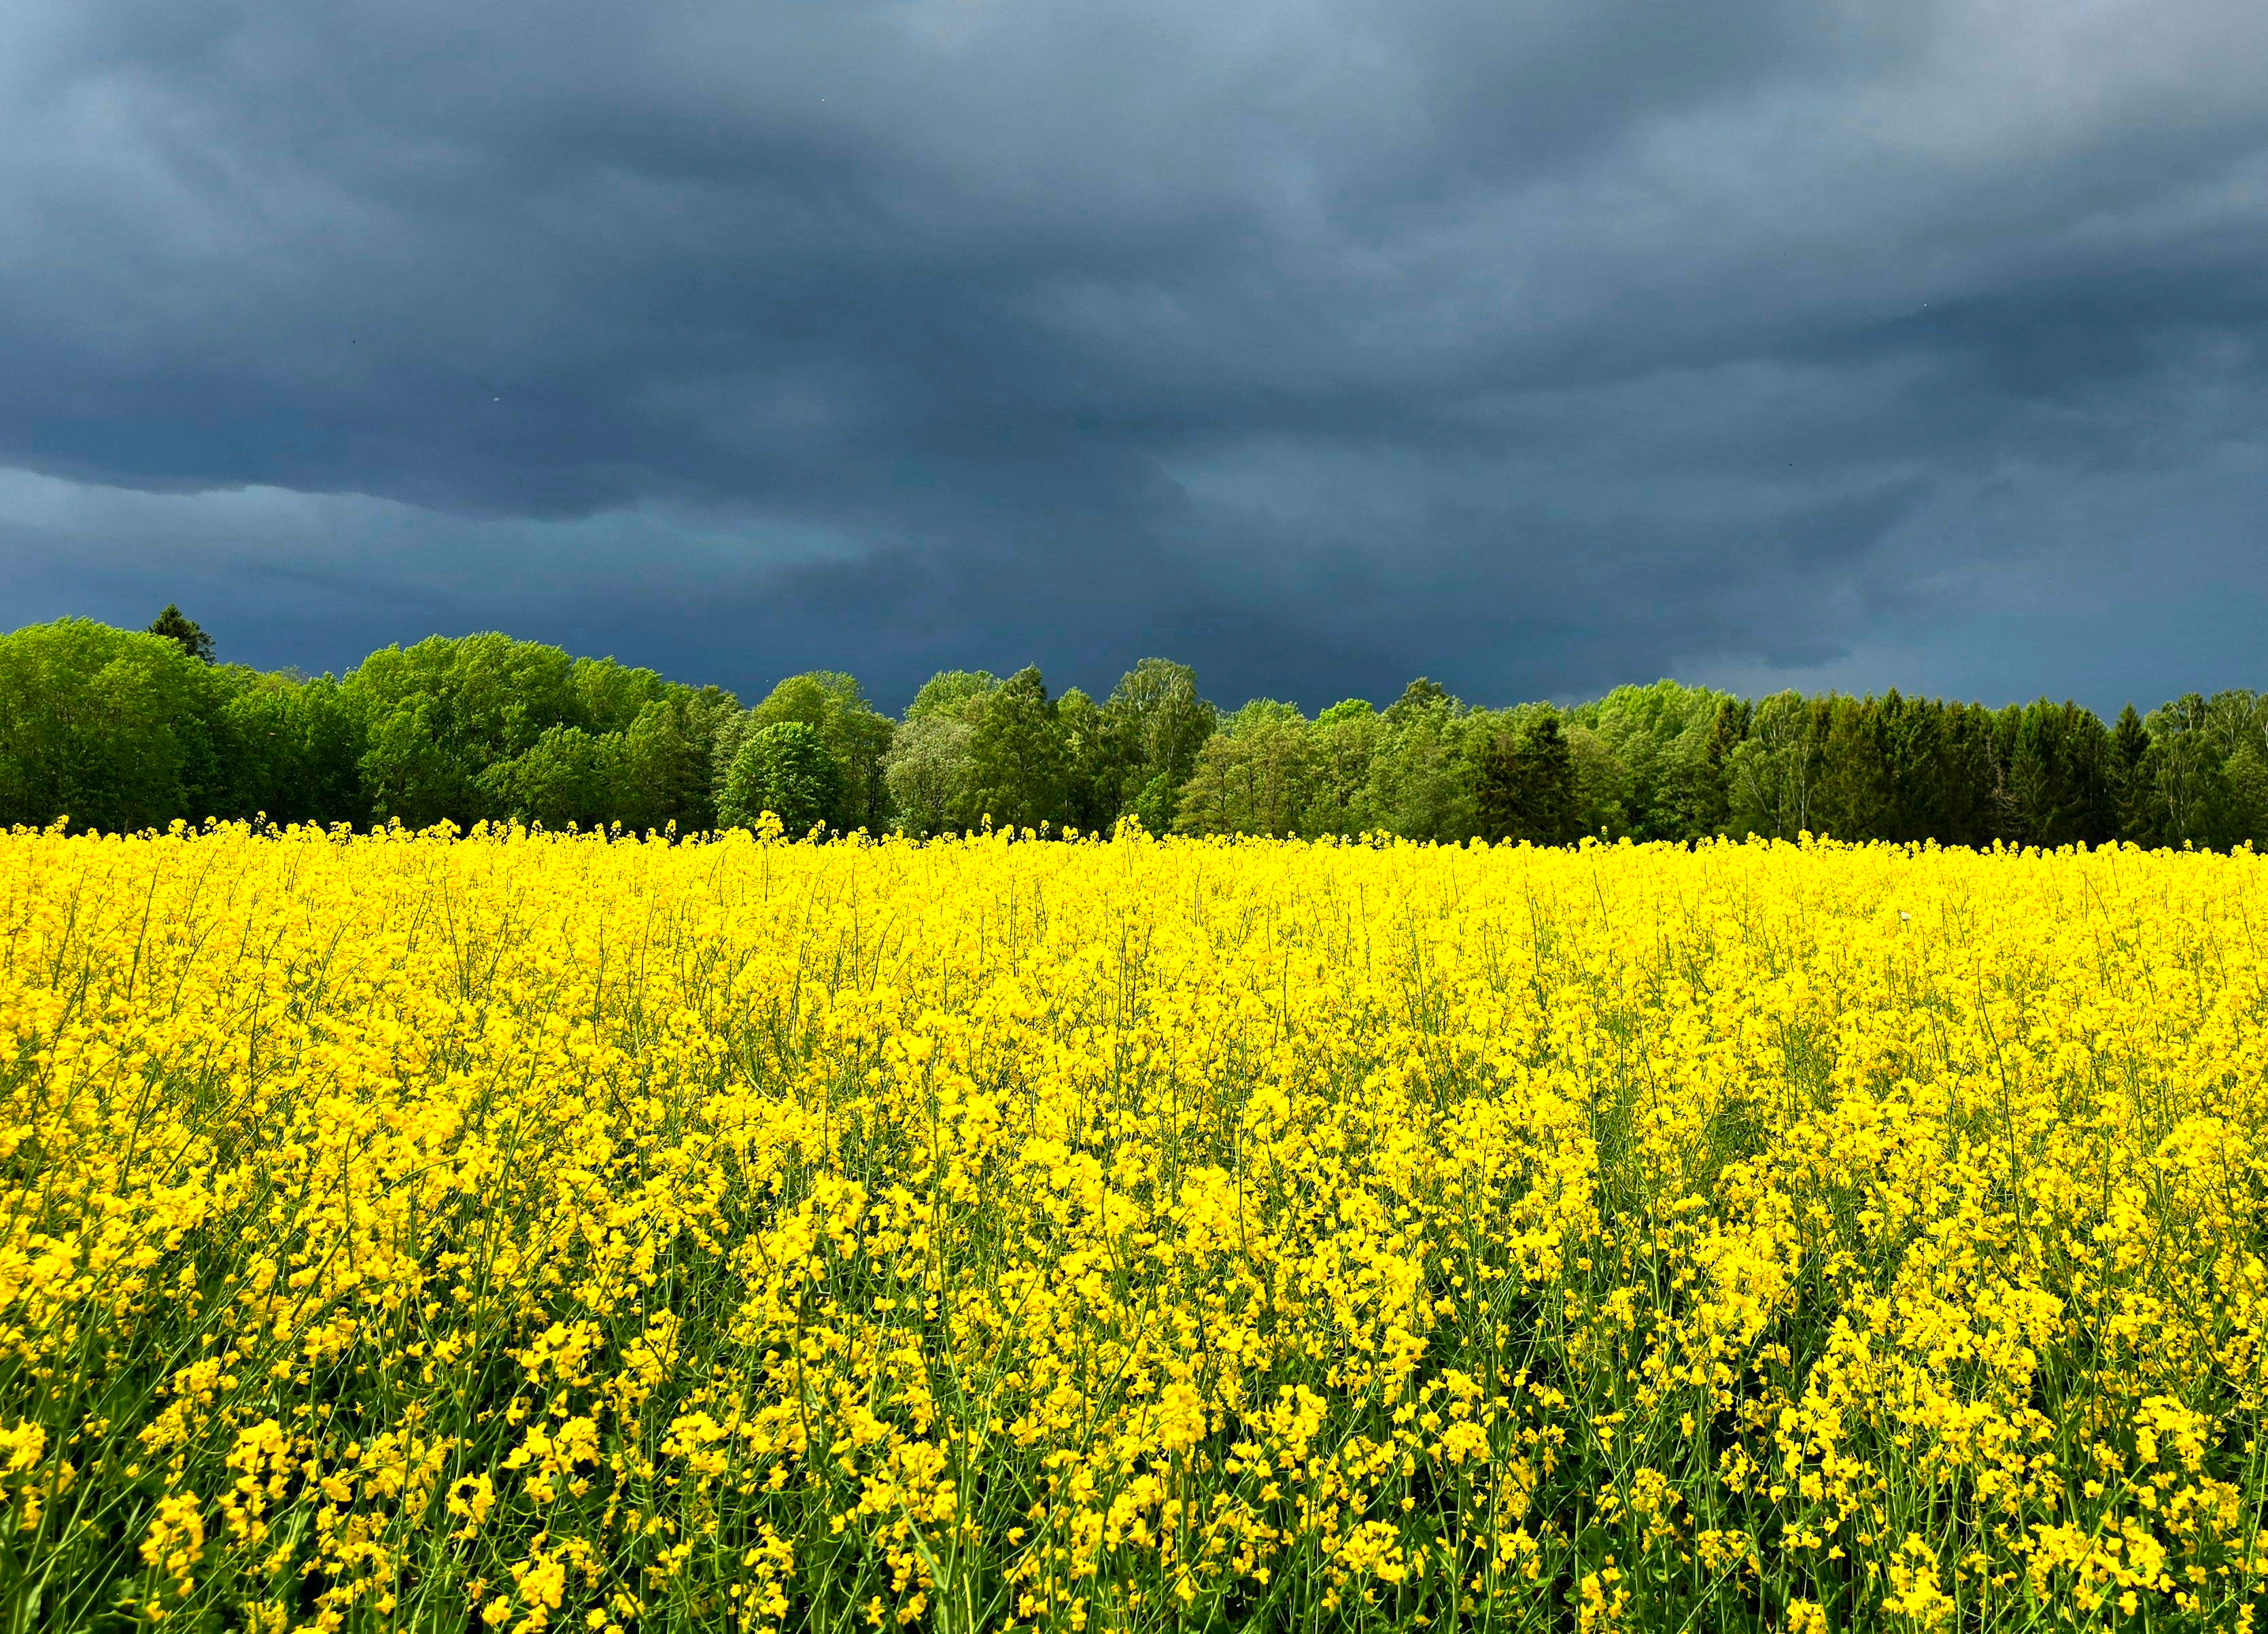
point(1537, 346)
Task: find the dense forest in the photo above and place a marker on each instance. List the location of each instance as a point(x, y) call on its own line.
point(121, 730)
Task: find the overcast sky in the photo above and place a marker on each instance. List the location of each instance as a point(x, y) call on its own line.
point(1535, 346)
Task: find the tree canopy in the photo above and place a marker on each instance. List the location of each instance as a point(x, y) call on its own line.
point(184, 632)
point(784, 769)
point(117, 729)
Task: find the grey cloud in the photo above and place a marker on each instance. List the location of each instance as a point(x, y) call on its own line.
point(1538, 347)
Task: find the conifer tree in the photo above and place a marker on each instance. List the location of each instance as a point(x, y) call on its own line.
point(2133, 772)
point(1526, 783)
point(184, 631)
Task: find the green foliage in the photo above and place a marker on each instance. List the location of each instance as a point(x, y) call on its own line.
point(1255, 776)
point(117, 730)
point(2057, 788)
point(1154, 723)
point(1019, 769)
point(1773, 774)
point(567, 775)
point(668, 755)
point(1421, 774)
point(929, 772)
point(651, 775)
point(1854, 793)
point(2188, 797)
point(2236, 728)
point(1944, 769)
point(1603, 790)
point(124, 729)
point(1652, 764)
point(486, 726)
point(2133, 774)
point(930, 769)
point(2210, 760)
point(1421, 697)
point(1525, 787)
point(951, 692)
point(784, 769)
point(184, 632)
point(436, 716)
point(855, 738)
point(292, 749)
point(1091, 764)
point(1344, 741)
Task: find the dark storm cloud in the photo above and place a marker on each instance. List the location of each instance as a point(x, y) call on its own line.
point(1539, 346)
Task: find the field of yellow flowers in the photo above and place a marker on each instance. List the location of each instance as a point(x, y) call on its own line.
point(519, 1232)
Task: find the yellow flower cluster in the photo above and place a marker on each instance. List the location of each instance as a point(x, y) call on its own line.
point(519, 1232)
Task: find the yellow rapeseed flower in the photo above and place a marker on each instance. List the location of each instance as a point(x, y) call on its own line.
point(522, 1229)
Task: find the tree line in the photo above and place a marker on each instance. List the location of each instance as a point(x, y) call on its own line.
point(123, 730)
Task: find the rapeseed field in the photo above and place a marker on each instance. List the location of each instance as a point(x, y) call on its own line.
point(513, 1232)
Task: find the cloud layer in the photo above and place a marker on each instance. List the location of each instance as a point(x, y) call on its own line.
point(1538, 347)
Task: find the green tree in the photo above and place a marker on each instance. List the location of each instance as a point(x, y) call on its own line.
point(1343, 742)
point(1855, 799)
point(1255, 776)
point(118, 729)
point(1421, 779)
point(608, 695)
point(437, 716)
point(929, 770)
point(856, 736)
point(1668, 787)
point(293, 747)
point(1017, 762)
point(1773, 773)
point(1421, 697)
point(569, 775)
point(1912, 738)
point(1963, 786)
point(1091, 764)
point(1685, 797)
point(2133, 778)
point(1524, 784)
point(783, 768)
point(2236, 722)
point(1154, 724)
point(2056, 789)
point(929, 773)
point(2189, 798)
point(1603, 784)
point(488, 726)
point(643, 762)
point(667, 753)
point(952, 692)
point(184, 632)
point(1725, 734)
